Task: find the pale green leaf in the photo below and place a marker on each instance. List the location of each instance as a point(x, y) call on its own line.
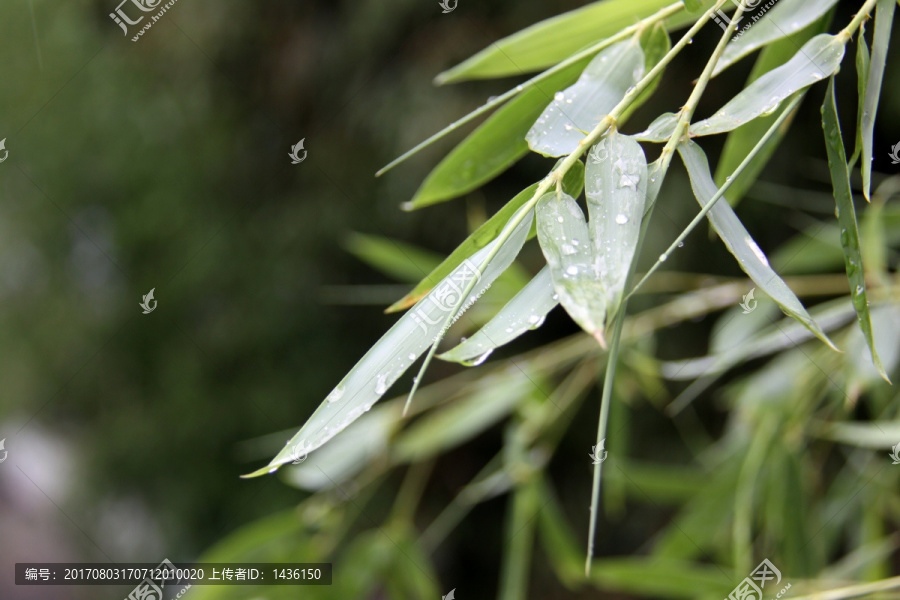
point(573, 183)
point(863, 62)
point(615, 184)
point(494, 146)
point(738, 241)
point(884, 20)
point(402, 261)
point(819, 58)
point(394, 353)
point(565, 241)
point(784, 19)
point(846, 213)
point(579, 108)
point(526, 311)
point(876, 434)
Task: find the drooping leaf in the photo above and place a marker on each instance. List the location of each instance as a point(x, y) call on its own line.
point(573, 183)
point(616, 188)
point(494, 146)
point(884, 20)
point(738, 241)
point(396, 351)
point(819, 58)
point(740, 141)
point(846, 213)
point(526, 311)
point(580, 107)
point(782, 20)
point(566, 243)
point(860, 368)
point(550, 41)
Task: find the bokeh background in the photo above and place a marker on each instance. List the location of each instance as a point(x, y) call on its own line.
point(164, 164)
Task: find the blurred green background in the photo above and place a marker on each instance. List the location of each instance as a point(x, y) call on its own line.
point(163, 164)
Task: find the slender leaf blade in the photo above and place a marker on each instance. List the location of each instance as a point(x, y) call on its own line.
point(884, 20)
point(580, 107)
point(863, 61)
point(573, 183)
point(750, 257)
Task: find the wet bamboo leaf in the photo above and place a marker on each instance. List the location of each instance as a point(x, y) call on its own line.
point(861, 372)
point(565, 241)
point(493, 147)
point(656, 44)
point(743, 139)
point(819, 58)
point(396, 351)
point(616, 187)
point(550, 41)
point(526, 311)
point(580, 107)
point(785, 18)
point(573, 183)
point(846, 213)
point(660, 130)
point(738, 241)
point(863, 61)
point(884, 19)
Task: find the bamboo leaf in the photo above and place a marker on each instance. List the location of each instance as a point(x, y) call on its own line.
point(565, 241)
point(863, 61)
point(884, 20)
point(402, 261)
point(876, 434)
point(493, 147)
point(846, 213)
point(738, 241)
point(573, 183)
point(550, 41)
point(580, 107)
point(526, 311)
point(740, 141)
point(396, 351)
point(616, 189)
point(784, 19)
point(819, 58)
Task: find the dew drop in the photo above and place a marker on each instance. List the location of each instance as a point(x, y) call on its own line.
point(381, 383)
point(573, 270)
point(621, 219)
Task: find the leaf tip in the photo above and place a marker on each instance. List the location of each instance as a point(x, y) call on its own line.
point(598, 335)
point(267, 470)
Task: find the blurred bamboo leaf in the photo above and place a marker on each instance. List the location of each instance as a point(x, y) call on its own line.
point(396, 351)
point(846, 214)
point(580, 107)
point(573, 183)
point(878, 435)
point(738, 241)
point(787, 17)
point(863, 62)
point(659, 577)
point(526, 311)
point(396, 259)
point(884, 21)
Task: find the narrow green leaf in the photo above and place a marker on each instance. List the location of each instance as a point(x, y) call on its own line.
point(740, 141)
point(550, 41)
point(876, 434)
point(863, 62)
point(884, 20)
point(784, 19)
point(402, 261)
point(846, 213)
point(738, 241)
point(656, 44)
point(658, 578)
point(395, 352)
point(494, 146)
point(580, 107)
point(558, 539)
point(660, 130)
point(526, 311)
point(515, 572)
point(616, 189)
point(819, 58)
point(573, 183)
point(565, 241)
point(693, 6)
